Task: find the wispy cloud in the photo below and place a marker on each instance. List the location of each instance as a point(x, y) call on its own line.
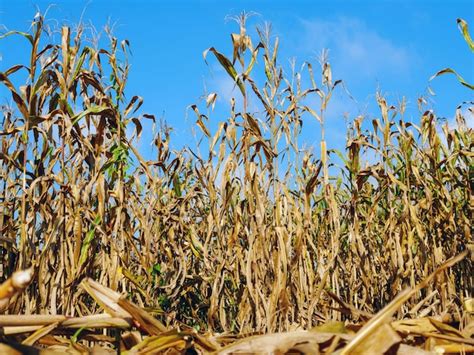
point(357, 49)
point(226, 89)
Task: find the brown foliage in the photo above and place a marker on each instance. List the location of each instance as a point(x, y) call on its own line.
point(258, 235)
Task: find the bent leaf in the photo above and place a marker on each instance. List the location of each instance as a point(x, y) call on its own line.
point(465, 32)
point(227, 65)
point(451, 71)
point(93, 109)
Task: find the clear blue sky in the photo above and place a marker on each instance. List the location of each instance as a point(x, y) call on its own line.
point(392, 46)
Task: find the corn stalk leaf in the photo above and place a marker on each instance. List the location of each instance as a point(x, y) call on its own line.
point(227, 65)
point(451, 71)
point(465, 32)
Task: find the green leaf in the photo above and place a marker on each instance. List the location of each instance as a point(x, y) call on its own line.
point(86, 245)
point(85, 51)
point(93, 109)
point(24, 34)
point(253, 60)
point(87, 241)
point(97, 220)
point(465, 32)
point(177, 186)
point(340, 155)
point(227, 65)
point(157, 269)
point(76, 334)
point(41, 80)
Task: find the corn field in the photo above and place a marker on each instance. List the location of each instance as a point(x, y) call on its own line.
point(252, 234)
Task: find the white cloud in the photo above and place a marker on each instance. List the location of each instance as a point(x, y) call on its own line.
point(357, 48)
point(226, 89)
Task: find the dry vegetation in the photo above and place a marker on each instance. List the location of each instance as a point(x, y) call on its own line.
point(255, 236)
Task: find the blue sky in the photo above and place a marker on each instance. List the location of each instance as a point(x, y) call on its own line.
point(390, 46)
